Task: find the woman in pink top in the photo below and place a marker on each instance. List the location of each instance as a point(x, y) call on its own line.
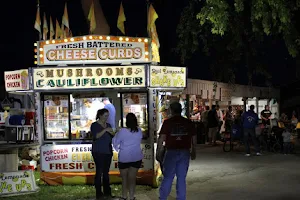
point(128, 143)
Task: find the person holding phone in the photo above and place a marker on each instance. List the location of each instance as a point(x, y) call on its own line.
point(102, 133)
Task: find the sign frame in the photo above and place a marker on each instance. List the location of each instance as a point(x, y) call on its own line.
point(136, 67)
point(92, 54)
point(170, 68)
point(80, 159)
point(20, 78)
point(14, 183)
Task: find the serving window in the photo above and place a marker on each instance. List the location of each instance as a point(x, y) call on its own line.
point(69, 116)
point(56, 116)
point(136, 103)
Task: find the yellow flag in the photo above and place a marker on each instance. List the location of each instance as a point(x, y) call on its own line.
point(45, 28)
point(151, 27)
point(121, 19)
point(92, 18)
point(51, 29)
point(65, 18)
point(37, 24)
point(57, 30)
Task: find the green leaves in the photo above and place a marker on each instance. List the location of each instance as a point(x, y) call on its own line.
point(216, 13)
point(236, 29)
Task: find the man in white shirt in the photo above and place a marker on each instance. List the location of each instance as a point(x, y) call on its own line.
point(91, 107)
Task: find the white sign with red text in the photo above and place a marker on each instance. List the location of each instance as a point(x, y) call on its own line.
point(16, 80)
point(78, 158)
point(93, 50)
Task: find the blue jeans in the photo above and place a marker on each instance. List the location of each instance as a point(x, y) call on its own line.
point(176, 162)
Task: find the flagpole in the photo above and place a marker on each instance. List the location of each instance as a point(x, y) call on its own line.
point(148, 32)
point(38, 7)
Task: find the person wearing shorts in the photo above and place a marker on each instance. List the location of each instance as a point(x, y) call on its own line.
point(128, 143)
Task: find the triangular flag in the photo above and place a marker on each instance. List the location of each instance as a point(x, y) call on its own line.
point(92, 18)
point(45, 28)
point(70, 34)
point(57, 30)
point(37, 23)
point(65, 18)
point(62, 33)
point(155, 45)
point(51, 29)
point(121, 19)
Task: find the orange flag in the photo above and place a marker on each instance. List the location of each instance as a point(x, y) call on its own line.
point(37, 24)
point(57, 30)
point(92, 18)
point(45, 28)
point(51, 29)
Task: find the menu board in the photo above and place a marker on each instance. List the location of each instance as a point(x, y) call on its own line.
point(56, 116)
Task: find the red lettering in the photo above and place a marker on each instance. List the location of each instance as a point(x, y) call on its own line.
point(12, 76)
point(116, 164)
point(72, 166)
point(51, 165)
point(58, 165)
point(78, 165)
point(13, 84)
point(91, 165)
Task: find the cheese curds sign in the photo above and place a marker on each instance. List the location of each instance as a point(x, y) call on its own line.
point(89, 77)
point(93, 50)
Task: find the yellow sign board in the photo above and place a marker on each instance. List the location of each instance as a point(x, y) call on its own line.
point(168, 77)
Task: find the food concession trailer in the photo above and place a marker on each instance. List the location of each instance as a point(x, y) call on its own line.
point(72, 77)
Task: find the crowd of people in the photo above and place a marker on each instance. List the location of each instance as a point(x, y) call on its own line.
point(175, 145)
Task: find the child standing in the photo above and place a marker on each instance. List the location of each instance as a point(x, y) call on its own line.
point(286, 141)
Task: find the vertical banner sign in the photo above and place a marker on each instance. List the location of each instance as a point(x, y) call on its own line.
point(153, 134)
point(38, 124)
point(152, 114)
point(17, 183)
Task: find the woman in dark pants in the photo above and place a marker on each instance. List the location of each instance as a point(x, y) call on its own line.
point(102, 153)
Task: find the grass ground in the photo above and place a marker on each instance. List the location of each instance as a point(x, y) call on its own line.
point(67, 192)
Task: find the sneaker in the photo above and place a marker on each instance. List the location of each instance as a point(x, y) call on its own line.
point(258, 154)
point(248, 155)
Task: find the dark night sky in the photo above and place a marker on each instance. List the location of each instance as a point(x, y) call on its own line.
point(18, 34)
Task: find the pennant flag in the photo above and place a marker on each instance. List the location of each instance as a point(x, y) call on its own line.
point(57, 30)
point(70, 34)
point(92, 18)
point(51, 29)
point(67, 33)
point(152, 16)
point(65, 18)
point(45, 28)
point(121, 19)
point(37, 24)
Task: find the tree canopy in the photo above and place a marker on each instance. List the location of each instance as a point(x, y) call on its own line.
point(234, 33)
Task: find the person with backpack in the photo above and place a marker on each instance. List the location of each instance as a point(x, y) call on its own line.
point(249, 121)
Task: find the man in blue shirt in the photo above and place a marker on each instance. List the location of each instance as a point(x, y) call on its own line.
point(250, 121)
point(112, 112)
